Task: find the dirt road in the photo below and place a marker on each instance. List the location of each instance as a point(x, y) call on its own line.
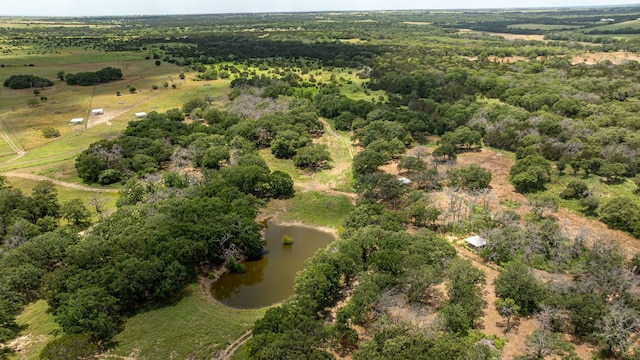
point(57, 182)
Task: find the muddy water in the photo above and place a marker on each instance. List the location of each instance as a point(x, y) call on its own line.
point(270, 280)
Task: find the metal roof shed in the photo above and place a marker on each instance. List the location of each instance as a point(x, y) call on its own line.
point(476, 241)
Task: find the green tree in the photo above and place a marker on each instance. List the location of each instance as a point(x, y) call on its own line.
point(44, 200)
point(613, 171)
point(585, 312)
point(411, 165)
point(471, 177)
point(280, 185)
point(132, 193)
point(531, 173)
point(445, 152)
point(465, 287)
point(455, 319)
point(33, 102)
point(91, 311)
point(76, 213)
point(461, 137)
point(313, 156)
point(215, 156)
point(516, 281)
point(282, 149)
point(367, 162)
point(507, 308)
point(620, 213)
point(590, 204)
point(576, 189)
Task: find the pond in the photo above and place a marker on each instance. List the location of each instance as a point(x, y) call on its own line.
point(270, 280)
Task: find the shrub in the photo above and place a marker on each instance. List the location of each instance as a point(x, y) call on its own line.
point(576, 189)
point(235, 266)
point(287, 240)
point(109, 176)
point(472, 177)
point(50, 132)
point(69, 347)
point(590, 204)
point(620, 213)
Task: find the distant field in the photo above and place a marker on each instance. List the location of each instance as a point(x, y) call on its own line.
point(542, 26)
point(507, 36)
point(39, 23)
point(633, 24)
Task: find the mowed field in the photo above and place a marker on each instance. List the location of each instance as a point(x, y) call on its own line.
point(22, 145)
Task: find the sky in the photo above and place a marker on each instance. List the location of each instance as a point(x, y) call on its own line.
point(174, 7)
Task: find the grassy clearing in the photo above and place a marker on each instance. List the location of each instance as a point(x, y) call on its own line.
point(192, 328)
point(40, 327)
point(338, 176)
point(316, 208)
point(241, 354)
point(65, 194)
point(597, 187)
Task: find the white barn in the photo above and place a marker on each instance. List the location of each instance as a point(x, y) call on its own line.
point(141, 115)
point(476, 242)
point(97, 111)
point(76, 121)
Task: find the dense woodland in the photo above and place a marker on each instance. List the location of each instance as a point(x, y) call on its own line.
point(563, 121)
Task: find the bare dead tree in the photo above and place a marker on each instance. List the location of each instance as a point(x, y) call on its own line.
point(544, 341)
point(98, 202)
point(619, 328)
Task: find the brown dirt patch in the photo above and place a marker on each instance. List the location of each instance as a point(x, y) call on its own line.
point(508, 59)
point(491, 322)
point(507, 36)
point(616, 57)
point(572, 224)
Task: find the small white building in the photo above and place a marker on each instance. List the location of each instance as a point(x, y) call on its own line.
point(404, 181)
point(76, 121)
point(141, 115)
point(97, 111)
point(476, 242)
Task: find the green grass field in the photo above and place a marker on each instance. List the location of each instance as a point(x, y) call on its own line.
point(39, 328)
point(193, 328)
point(312, 207)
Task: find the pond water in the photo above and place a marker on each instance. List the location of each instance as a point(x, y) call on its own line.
point(270, 280)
